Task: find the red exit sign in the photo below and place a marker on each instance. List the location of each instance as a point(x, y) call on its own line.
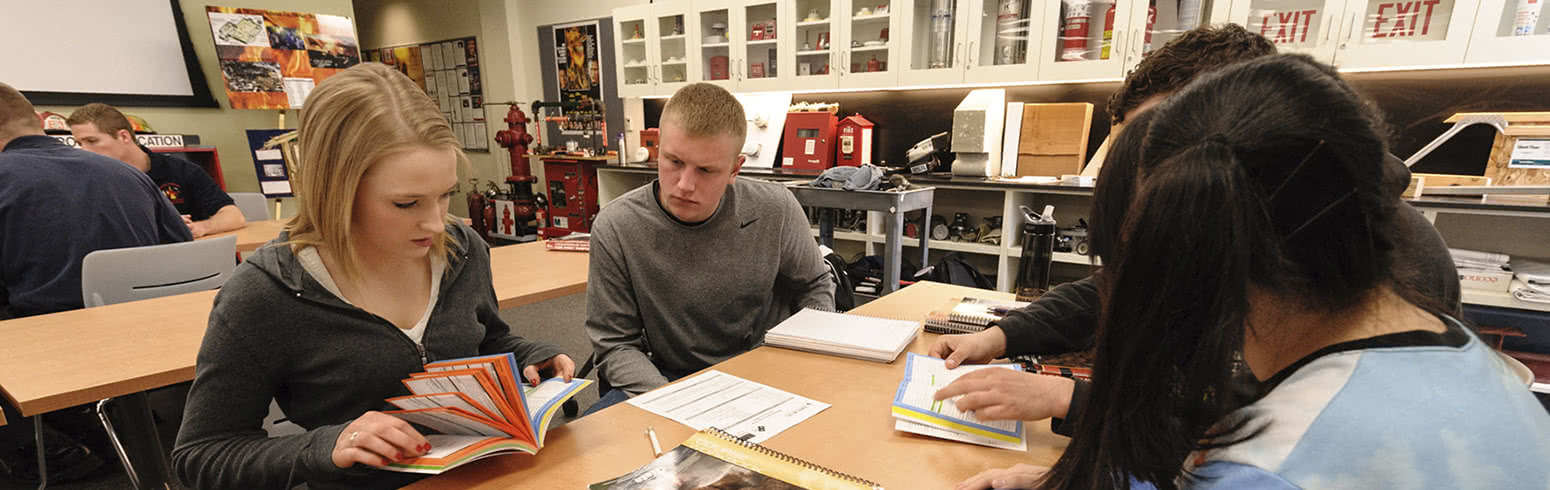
point(1287, 26)
point(1409, 20)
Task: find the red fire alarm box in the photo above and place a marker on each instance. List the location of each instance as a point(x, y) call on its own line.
point(855, 148)
point(571, 183)
point(809, 141)
point(648, 140)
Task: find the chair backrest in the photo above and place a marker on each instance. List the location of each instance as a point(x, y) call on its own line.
point(254, 206)
point(129, 274)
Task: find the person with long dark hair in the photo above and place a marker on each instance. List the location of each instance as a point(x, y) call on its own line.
point(1261, 236)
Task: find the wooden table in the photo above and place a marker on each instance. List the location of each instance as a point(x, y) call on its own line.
point(254, 235)
point(59, 360)
point(854, 436)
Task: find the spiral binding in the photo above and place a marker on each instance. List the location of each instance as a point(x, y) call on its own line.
point(973, 318)
point(724, 435)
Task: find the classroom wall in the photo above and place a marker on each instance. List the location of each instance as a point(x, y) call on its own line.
point(224, 128)
point(384, 23)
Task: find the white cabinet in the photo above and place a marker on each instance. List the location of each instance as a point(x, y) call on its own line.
point(868, 49)
point(933, 32)
point(1392, 34)
point(671, 45)
point(1087, 40)
point(758, 61)
point(1004, 41)
point(815, 32)
point(632, 53)
point(1163, 20)
point(715, 32)
point(1510, 32)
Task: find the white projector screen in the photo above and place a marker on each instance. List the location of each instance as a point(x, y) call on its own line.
point(123, 52)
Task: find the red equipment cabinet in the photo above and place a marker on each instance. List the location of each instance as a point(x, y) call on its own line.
point(809, 141)
point(571, 183)
point(855, 141)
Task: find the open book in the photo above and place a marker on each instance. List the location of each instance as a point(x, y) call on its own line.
point(479, 409)
point(917, 412)
point(715, 459)
point(860, 337)
point(968, 315)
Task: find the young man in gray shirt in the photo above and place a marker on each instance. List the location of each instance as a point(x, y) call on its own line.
point(693, 269)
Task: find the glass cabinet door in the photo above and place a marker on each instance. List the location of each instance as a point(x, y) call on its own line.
point(1511, 31)
point(633, 58)
point(1294, 26)
point(759, 65)
point(1003, 47)
point(1164, 20)
point(1387, 33)
point(934, 41)
point(711, 26)
point(815, 52)
point(867, 44)
point(1086, 39)
point(672, 46)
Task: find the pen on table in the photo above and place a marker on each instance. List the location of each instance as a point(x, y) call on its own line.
point(656, 447)
point(999, 310)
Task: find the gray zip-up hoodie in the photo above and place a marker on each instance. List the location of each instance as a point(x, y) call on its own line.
point(276, 333)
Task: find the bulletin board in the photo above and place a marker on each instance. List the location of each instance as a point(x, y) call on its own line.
point(577, 67)
point(271, 59)
point(448, 70)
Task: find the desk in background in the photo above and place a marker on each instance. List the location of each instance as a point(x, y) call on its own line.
point(59, 360)
point(854, 436)
point(252, 236)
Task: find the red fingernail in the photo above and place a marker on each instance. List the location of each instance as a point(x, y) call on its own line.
point(400, 457)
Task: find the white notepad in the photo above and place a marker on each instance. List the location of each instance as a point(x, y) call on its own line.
point(861, 337)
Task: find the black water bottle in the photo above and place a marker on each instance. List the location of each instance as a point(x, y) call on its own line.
point(1038, 253)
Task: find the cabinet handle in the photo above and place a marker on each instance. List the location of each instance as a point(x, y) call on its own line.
point(1140, 42)
point(958, 54)
point(969, 55)
point(1356, 21)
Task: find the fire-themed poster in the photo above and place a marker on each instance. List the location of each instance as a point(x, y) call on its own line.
point(272, 60)
point(577, 65)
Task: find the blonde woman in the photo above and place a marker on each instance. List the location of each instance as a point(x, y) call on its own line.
point(371, 280)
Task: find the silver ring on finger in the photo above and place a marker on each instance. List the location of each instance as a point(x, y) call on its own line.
point(351, 440)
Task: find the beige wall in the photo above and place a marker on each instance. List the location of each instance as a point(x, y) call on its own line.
point(223, 127)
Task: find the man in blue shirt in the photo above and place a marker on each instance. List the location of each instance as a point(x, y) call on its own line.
point(58, 204)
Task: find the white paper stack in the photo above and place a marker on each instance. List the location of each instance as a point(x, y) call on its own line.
point(1531, 280)
point(860, 337)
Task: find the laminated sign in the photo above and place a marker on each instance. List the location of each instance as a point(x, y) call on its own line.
point(1531, 153)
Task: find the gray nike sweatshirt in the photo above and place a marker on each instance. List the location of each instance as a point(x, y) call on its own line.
point(665, 295)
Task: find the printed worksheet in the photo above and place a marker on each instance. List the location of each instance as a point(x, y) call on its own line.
point(749, 410)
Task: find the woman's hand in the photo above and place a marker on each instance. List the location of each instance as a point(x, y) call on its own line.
point(376, 439)
point(559, 365)
point(1020, 476)
point(1004, 394)
point(980, 347)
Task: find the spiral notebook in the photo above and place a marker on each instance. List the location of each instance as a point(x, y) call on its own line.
point(715, 459)
point(968, 315)
point(855, 336)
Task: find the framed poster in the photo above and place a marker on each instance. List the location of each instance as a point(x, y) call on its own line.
point(272, 59)
point(577, 66)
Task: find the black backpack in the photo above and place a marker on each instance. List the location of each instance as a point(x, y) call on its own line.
point(953, 269)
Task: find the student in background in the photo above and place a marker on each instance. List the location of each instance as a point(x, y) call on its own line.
point(1261, 226)
point(206, 209)
point(58, 204)
point(1066, 317)
point(694, 268)
point(370, 280)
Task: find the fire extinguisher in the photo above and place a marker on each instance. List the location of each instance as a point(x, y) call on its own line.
point(476, 206)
